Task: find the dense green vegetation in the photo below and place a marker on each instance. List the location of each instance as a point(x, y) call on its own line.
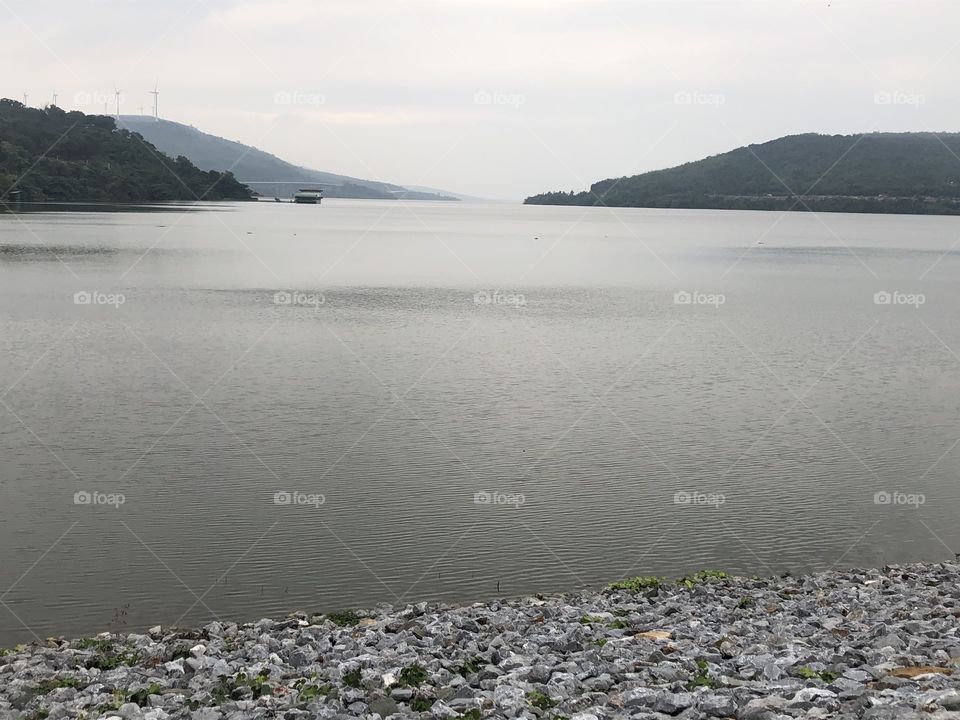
point(52, 155)
point(877, 172)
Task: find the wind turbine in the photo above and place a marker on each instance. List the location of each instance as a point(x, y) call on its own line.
point(156, 99)
point(55, 96)
point(116, 94)
point(25, 99)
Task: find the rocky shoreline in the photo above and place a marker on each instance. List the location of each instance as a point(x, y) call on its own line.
point(872, 644)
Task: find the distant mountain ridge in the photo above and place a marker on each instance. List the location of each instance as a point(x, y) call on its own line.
point(262, 171)
point(876, 172)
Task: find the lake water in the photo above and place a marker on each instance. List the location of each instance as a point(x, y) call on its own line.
point(324, 448)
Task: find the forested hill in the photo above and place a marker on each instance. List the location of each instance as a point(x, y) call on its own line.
point(52, 155)
point(877, 172)
point(265, 173)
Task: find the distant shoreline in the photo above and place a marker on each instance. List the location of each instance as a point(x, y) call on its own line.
point(852, 204)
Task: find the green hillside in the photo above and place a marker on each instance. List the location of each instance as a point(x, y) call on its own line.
point(878, 172)
point(51, 155)
point(265, 173)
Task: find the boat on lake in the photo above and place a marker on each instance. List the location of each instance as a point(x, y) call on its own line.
point(308, 196)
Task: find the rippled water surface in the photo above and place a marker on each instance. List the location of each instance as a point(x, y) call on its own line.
point(419, 354)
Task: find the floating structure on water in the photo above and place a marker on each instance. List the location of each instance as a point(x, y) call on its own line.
point(308, 196)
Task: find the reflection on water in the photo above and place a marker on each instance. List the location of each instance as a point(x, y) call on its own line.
point(644, 436)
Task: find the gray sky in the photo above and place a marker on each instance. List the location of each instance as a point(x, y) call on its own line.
point(498, 98)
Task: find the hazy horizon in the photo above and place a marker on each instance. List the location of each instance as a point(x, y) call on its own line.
point(494, 99)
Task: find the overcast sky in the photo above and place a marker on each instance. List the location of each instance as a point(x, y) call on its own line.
point(497, 98)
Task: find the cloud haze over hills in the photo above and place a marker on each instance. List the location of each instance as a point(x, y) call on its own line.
point(494, 98)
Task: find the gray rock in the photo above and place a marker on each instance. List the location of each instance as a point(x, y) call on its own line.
point(891, 640)
point(949, 700)
point(716, 705)
point(772, 671)
point(539, 674)
point(668, 673)
point(640, 698)
point(673, 703)
point(765, 708)
point(859, 675)
point(401, 694)
point(130, 711)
